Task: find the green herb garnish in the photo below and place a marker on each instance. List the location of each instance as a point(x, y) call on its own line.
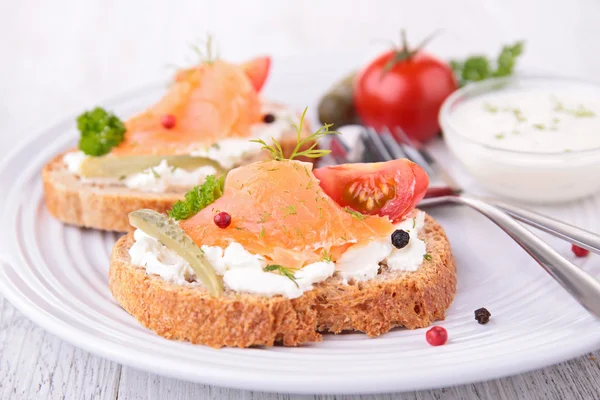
point(198, 198)
point(326, 256)
point(490, 108)
point(262, 231)
point(209, 54)
point(287, 272)
point(427, 257)
point(311, 152)
point(290, 210)
point(499, 136)
point(100, 132)
point(477, 68)
point(355, 214)
point(581, 111)
point(264, 218)
point(156, 174)
point(539, 127)
point(518, 114)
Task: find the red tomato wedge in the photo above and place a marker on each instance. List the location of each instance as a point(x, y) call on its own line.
point(390, 188)
point(257, 70)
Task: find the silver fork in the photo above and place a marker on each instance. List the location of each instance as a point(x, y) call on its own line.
point(584, 288)
point(417, 153)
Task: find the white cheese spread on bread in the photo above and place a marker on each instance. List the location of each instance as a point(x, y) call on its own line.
point(228, 152)
point(244, 272)
point(362, 262)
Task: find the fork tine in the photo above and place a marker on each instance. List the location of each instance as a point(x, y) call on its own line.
point(375, 146)
point(415, 151)
point(339, 150)
point(395, 148)
point(421, 156)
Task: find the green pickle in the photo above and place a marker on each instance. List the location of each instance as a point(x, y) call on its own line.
point(169, 233)
point(337, 105)
point(117, 166)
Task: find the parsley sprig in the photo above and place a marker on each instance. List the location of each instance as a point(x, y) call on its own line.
point(100, 132)
point(287, 272)
point(311, 152)
point(198, 198)
point(477, 68)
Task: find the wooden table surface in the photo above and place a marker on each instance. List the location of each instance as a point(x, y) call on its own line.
point(62, 56)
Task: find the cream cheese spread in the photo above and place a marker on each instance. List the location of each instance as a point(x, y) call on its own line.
point(228, 152)
point(362, 261)
point(243, 271)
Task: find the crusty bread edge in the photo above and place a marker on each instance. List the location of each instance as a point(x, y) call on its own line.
point(192, 314)
point(412, 300)
point(91, 206)
point(409, 299)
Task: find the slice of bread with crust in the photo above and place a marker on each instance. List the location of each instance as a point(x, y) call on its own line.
point(393, 298)
point(106, 207)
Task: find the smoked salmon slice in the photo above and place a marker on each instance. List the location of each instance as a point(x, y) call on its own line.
point(279, 210)
point(213, 101)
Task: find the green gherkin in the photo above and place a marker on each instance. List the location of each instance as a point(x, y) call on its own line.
point(170, 234)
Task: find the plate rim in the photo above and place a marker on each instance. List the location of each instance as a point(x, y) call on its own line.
point(114, 351)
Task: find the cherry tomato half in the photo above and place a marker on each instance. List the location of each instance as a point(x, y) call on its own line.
point(391, 188)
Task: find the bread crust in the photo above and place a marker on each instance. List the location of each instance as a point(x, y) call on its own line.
point(410, 299)
point(192, 314)
point(107, 207)
point(95, 206)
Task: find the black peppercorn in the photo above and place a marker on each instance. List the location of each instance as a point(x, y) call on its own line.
point(268, 118)
point(400, 238)
point(482, 315)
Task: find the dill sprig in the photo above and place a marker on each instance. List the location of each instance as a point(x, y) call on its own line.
point(287, 272)
point(355, 214)
point(209, 54)
point(326, 256)
point(311, 152)
point(290, 210)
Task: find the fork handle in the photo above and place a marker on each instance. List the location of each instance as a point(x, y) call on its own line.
point(582, 238)
point(584, 288)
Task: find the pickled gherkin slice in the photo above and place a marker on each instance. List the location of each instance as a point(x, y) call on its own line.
point(118, 166)
point(169, 233)
point(337, 105)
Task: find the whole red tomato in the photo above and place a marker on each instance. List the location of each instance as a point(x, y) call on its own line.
point(405, 89)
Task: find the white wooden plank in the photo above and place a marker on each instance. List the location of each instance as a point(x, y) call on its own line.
point(35, 364)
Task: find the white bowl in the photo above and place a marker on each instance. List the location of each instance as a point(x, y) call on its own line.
point(525, 175)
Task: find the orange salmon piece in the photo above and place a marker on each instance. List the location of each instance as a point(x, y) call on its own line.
point(279, 210)
point(210, 102)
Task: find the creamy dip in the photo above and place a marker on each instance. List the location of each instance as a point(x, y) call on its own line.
point(531, 139)
point(534, 120)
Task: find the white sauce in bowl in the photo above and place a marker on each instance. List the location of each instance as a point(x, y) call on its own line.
point(532, 120)
point(534, 139)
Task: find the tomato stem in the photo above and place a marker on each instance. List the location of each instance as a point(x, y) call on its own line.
point(404, 53)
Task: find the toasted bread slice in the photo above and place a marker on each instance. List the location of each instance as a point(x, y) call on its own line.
point(106, 207)
point(393, 298)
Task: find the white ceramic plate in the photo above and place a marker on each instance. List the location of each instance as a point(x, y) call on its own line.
point(57, 276)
